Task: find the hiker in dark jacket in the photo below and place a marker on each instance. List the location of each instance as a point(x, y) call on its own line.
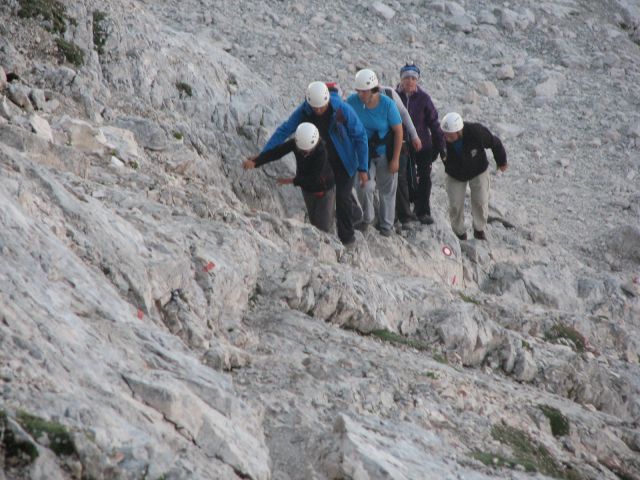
point(466, 162)
point(346, 144)
point(314, 174)
point(425, 118)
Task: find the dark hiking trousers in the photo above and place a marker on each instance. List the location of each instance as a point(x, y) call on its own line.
point(423, 192)
point(347, 210)
point(403, 199)
point(320, 208)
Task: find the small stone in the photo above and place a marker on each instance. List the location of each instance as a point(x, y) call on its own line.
point(38, 98)
point(505, 73)
point(19, 94)
point(488, 89)
point(547, 89)
point(383, 10)
point(3, 79)
point(41, 127)
point(116, 162)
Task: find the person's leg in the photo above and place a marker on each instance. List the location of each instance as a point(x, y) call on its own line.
point(365, 194)
point(480, 187)
point(423, 193)
point(456, 191)
point(387, 186)
point(320, 209)
point(403, 203)
point(344, 203)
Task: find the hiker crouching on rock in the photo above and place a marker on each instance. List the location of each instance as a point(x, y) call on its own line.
point(313, 172)
point(382, 122)
point(466, 162)
point(346, 145)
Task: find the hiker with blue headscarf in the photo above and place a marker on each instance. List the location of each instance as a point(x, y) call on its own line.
point(425, 118)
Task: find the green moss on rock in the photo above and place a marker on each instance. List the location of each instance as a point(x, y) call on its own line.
point(560, 425)
point(71, 52)
point(51, 11)
point(100, 33)
point(560, 330)
point(60, 440)
point(18, 453)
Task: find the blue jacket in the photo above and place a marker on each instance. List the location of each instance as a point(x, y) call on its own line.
point(346, 131)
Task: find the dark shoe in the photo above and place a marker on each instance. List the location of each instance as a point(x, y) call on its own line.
point(426, 219)
point(386, 232)
point(479, 235)
point(463, 236)
point(350, 242)
point(361, 225)
point(408, 219)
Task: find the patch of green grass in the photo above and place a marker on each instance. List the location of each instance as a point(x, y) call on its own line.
point(71, 52)
point(527, 346)
point(440, 358)
point(432, 375)
point(51, 11)
point(561, 330)
point(177, 135)
point(560, 425)
point(184, 89)
point(532, 455)
point(100, 33)
point(468, 299)
point(392, 337)
point(493, 460)
point(60, 440)
point(18, 453)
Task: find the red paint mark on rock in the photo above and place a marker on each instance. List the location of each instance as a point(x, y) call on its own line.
point(209, 266)
point(140, 314)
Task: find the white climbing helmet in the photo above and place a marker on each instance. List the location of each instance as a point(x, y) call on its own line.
point(307, 136)
point(452, 123)
point(366, 79)
point(317, 94)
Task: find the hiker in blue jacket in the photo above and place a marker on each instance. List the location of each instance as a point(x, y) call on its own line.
point(346, 144)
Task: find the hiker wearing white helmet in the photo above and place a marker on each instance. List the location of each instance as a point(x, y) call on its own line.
point(314, 174)
point(382, 122)
point(346, 145)
point(466, 163)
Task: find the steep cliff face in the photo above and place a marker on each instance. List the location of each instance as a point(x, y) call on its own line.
point(166, 315)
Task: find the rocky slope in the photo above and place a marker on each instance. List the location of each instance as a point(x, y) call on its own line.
point(165, 315)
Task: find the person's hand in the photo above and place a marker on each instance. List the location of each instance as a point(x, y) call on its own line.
point(285, 181)
point(394, 165)
point(364, 178)
point(250, 163)
point(417, 144)
point(502, 168)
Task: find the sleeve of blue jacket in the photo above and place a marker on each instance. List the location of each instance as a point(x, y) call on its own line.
point(358, 136)
point(285, 130)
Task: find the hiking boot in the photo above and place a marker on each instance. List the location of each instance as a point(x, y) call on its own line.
point(479, 235)
point(350, 243)
point(386, 232)
point(408, 219)
point(361, 225)
point(426, 219)
point(462, 237)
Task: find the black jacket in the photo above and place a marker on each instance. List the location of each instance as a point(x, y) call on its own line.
point(473, 159)
point(313, 172)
